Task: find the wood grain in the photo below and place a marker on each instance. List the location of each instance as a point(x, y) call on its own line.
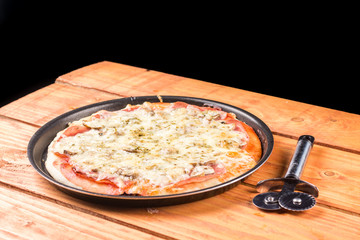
point(34, 215)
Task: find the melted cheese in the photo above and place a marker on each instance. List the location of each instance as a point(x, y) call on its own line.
point(153, 146)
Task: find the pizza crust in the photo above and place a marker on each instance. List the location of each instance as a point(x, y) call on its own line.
point(50, 164)
point(55, 173)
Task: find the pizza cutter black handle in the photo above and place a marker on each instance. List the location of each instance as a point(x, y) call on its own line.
point(300, 156)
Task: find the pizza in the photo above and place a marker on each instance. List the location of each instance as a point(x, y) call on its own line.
point(152, 149)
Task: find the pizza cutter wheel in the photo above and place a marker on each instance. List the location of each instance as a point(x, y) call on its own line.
point(295, 194)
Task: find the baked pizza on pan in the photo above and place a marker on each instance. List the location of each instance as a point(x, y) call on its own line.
point(153, 149)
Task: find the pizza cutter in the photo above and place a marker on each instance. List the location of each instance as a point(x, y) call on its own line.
point(295, 194)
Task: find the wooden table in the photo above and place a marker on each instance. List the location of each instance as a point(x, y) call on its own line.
point(30, 207)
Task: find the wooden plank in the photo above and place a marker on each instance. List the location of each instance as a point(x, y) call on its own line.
point(24, 216)
point(41, 106)
point(326, 167)
point(227, 216)
point(285, 117)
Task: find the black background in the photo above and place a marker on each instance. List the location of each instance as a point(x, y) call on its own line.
point(305, 55)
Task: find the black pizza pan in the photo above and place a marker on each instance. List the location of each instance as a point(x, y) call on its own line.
point(38, 144)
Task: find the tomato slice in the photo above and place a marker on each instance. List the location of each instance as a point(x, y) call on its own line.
point(218, 170)
point(87, 183)
point(62, 156)
point(130, 109)
point(73, 130)
point(104, 186)
point(102, 114)
point(176, 105)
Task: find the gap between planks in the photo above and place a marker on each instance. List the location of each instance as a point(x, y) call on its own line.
point(319, 143)
point(89, 88)
point(87, 211)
